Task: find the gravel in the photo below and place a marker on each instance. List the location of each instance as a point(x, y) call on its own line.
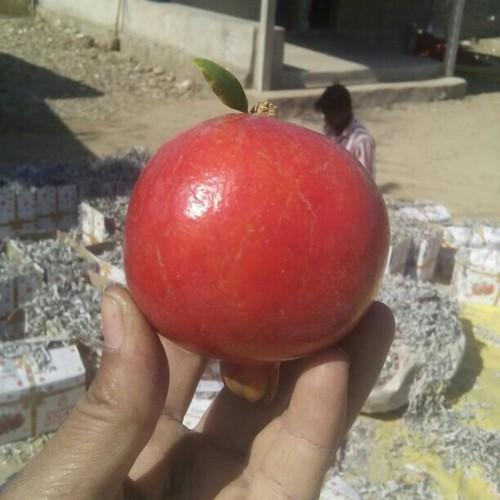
point(92, 175)
point(10, 269)
point(70, 308)
point(114, 255)
point(406, 227)
point(428, 328)
point(124, 167)
point(50, 63)
point(51, 254)
point(447, 433)
point(461, 444)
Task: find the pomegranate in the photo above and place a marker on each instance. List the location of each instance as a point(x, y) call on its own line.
point(252, 241)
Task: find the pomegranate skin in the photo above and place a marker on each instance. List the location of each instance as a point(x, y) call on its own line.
point(249, 239)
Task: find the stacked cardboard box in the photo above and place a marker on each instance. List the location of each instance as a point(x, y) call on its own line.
point(38, 388)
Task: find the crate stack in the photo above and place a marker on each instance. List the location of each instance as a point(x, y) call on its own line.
point(50, 327)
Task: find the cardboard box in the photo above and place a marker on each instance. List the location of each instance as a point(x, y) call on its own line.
point(46, 224)
point(465, 236)
point(94, 226)
point(7, 298)
point(486, 235)
point(67, 221)
point(7, 208)
point(476, 276)
point(457, 236)
point(477, 236)
point(110, 273)
point(423, 257)
point(5, 231)
point(26, 205)
point(423, 211)
point(45, 209)
point(26, 228)
point(446, 262)
point(38, 389)
point(67, 198)
point(398, 257)
point(46, 200)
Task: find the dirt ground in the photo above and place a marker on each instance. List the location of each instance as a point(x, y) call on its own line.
point(67, 97)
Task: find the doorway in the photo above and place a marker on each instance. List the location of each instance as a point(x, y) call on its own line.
point(323, 14)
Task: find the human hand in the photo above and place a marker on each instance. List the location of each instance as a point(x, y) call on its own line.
point(125, 438)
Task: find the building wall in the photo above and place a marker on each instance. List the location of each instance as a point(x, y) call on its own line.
point(170, 34)
point(389, 18)
point(247, 9)
point(382, 19)
point(481, 18)
point(376, 19)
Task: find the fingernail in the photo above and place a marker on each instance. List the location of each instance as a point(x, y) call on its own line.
point(112, 321)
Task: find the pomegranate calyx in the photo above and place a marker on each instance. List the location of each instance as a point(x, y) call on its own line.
point(253, 382)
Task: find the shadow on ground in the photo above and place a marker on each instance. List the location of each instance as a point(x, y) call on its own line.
point(389, 187)
point(29, 130)
point(471, 366)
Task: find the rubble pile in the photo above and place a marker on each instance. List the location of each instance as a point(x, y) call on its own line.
point(67, 308)
point(114, 256)
point(403, 226)
point(427, 327)
point(118, 170)
point(51, 254)
point(9, 269)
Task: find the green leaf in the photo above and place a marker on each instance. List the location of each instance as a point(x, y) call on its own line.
point(224, 84)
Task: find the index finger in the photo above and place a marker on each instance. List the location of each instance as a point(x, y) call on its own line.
point(186, 369)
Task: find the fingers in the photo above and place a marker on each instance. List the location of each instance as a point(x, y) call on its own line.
point(186, 369)
point(301, 444)
point(92, 453)
point(290, 457)
point(367, 346)
point(149, 471)
point(233, 422)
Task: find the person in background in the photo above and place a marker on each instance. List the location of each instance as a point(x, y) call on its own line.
point(342, 126)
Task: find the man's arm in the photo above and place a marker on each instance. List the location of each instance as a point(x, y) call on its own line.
point(364, 152)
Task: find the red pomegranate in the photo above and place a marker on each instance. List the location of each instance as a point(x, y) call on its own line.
point(251, 240)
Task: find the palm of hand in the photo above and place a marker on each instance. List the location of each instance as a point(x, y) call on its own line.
point(243, 450)
point(258, 450)
point(129, 423)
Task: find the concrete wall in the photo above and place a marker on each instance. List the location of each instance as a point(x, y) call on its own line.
point(386, 19)
point(481, 18)
point(13, 8)
point(376, 19)
point(170, 34)
point(247, 9)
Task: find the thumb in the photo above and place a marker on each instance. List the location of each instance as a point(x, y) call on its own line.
point(92, 453)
